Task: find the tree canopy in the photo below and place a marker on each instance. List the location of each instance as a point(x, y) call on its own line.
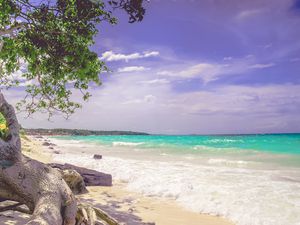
point(48, 43)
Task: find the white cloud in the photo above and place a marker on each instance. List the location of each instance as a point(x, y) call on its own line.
point(262, 66)
point(209, 72)
point(155, 81)
point(165, 72)
point(149, 54)
point(246, 100)
point(146, 99)
point(227, 58)
point(18, 76)
point(206, 71)
point(248, 13)
point(132, 69)
point(295, 60)
point(149, 98)
point(26, 83)
point(111, 56)
point(127, 105)
point(268, 46)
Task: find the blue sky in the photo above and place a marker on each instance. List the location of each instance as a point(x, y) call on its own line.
point(197, 67)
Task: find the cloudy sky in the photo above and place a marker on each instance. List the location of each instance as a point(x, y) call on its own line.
point(209, 66)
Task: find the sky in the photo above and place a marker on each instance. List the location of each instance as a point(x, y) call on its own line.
point(195, 67)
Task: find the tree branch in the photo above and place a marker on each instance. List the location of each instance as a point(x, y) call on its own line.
point(12, 29)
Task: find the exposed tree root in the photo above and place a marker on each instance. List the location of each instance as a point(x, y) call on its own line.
point(43, 189)
point(93, 216)
point(38, 186)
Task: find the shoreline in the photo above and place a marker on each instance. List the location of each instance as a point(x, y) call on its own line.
point(150, 209)
point(118, 200)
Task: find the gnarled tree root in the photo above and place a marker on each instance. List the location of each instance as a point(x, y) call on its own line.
point(38, 186)
point(42, 189)
point(93, 216)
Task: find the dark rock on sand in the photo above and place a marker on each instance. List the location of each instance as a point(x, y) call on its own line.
point(90, 177)
point(46, 143)
point(56, 152)
point(96, 156)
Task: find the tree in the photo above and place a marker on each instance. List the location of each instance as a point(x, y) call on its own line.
point(49, 40)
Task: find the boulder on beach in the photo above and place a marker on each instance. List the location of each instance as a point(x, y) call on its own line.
point(97, 156)
point(46, 143)
point(74, 180)
point(90, 177)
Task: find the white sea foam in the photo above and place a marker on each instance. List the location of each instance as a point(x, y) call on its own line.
point(120, 143)
point(204, 147)
point(222, 141)
point(245, 196)
point(227, 162)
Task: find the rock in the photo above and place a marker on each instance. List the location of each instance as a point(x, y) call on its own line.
point(90, 177)
point(74, 181)
point(96, 156)
point(51, 148)
point(56, 152)
point(46, 143)
point(130, 210)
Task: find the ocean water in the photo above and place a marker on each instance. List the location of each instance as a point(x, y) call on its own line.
point(249, 179)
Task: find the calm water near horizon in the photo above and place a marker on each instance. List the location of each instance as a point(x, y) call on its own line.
point(283, 149)
point(250, 179)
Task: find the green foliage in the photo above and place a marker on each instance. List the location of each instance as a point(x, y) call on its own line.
point(3, 127)
point(2, 119)
point(53, 39)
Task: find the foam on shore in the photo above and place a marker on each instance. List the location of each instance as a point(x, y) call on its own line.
point(246, 196)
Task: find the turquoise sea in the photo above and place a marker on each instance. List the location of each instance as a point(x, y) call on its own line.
point(249, 179)
point(243, 146)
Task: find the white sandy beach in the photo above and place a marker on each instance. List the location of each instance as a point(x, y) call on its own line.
point(118, 200)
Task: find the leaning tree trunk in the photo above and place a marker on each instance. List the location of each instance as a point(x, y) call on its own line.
point(30, 182)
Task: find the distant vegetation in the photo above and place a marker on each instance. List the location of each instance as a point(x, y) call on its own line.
point(78, 132)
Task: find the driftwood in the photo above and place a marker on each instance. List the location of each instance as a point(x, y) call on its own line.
point(90, 177)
